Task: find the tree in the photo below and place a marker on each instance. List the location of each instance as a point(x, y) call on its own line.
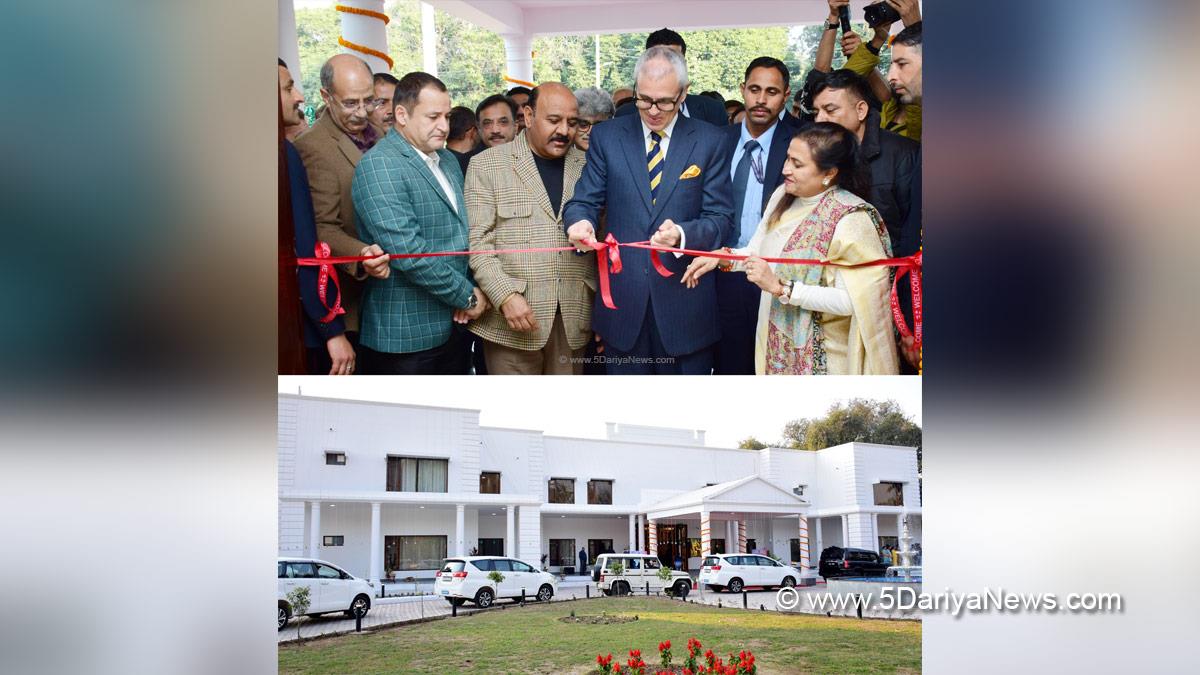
point(751, 443)
point(298, 598)
point(861, 420)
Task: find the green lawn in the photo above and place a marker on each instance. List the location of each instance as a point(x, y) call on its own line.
point(533, 640)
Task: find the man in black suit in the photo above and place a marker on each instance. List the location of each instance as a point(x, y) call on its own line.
point(694, 106)
point(757, 148)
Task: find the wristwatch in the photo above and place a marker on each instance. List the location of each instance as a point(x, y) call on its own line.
point(473, 302)
point(785, 295)
point(833, 26)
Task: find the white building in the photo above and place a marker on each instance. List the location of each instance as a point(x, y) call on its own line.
point(378, 486)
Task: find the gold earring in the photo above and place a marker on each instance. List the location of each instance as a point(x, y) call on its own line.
point(825, 182)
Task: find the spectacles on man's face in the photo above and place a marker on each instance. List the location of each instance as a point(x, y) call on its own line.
point(663, 104)
point(367, 104)
point(585, 125)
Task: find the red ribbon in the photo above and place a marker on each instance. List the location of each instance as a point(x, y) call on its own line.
point(608, 259)
point(325, 274)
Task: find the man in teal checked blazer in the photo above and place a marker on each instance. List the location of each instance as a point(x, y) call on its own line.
point(408, 198)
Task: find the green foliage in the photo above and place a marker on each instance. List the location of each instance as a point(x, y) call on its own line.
point(664, 573)
point(298, 598)
point(471, 60)
point(617, 568)
point(496, 577)
point(861, 420)
point(752, 443)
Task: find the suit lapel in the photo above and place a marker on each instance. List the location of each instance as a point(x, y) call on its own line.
point(678, 155)
point(635, 155)
point(527, 171)
point(778, 154)
point(343, 142)
point(422, 169)
point(574, 169)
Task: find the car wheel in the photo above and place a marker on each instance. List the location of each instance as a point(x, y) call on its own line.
point(484, 598)
point(681, 588)
point(735, 585)
point(457, 602)
point(545, 593)
point(361, 603)
point(621, 588)
point(284, 615)
point(788, 582)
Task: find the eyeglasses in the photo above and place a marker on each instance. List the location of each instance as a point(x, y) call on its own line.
point(663, 104)
point(368, 104)
point(584, 125)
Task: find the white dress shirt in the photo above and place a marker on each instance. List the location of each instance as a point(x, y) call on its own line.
point(434, 163)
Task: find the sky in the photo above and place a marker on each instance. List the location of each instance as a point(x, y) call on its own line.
point(728, 409)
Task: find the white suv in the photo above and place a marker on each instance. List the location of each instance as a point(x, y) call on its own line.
point(330, 589)
point(466, 579)
point(735, 571)
point(637, 570)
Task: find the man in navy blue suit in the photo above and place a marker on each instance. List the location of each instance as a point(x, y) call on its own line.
point(694, 106)
point(663, 177)
point(757, 148)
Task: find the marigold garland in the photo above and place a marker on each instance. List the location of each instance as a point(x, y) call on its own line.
point(364, 12)
point(365, 50)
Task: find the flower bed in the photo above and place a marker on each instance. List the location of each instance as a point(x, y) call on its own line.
point(696, 662)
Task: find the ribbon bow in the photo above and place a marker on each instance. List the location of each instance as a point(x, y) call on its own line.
point(613, 260)
point(326, 273)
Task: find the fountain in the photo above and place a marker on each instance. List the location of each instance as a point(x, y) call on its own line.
point(905, 569)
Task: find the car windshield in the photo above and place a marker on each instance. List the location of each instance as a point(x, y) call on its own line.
point(453, 566)
point(711, 561)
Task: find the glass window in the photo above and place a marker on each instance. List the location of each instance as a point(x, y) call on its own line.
point(562, 490)
point(562, 552)
point(299, 570)
point(414, 552)
point(711, 561)
point(282, 570)
point(652, 564)
point(485, 565)
point(502, 565)
point(414, 474)
point(333, 540)
point(327, 572)
point(600, 491)
point(794, 546)
point(597, 547)
point(489, 483)
point(335, 458)
point(452, 566)
point(491, 546)
point(518, 566)
point(889, 494)
point(718, 546)
point(633, 563)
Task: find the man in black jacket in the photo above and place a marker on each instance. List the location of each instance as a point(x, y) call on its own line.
point(694, 106)
point(891, 160)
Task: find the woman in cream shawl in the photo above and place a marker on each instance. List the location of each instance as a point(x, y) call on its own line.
point(816, 319)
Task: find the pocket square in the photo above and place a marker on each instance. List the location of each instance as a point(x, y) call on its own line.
point(692, 172)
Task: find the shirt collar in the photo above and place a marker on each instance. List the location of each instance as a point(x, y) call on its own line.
point(764, 141)
point(665, 132)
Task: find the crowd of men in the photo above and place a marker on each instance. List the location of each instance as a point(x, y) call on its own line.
point(392, 166)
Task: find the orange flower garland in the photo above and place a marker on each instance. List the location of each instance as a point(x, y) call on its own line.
point(362, 49)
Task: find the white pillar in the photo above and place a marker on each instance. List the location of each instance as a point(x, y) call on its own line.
point(641, 545)
point(530, 527)
point(428, 40)
point(652, 545)
point(289, 45)
point(632, 532)
point(845, 530)
point(460, 516)
point(510, 541)
point(820, 545)
point(518, 67)
point(741, 536)
point(376, 544)
point(875, 532)
point(314, 531)
point(367, 32)
point(705, 533)
point(805, 557)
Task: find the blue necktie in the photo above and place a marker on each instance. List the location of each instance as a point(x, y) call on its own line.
point(654, 163)
point(740, 177)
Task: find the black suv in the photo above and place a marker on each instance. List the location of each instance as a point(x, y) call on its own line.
point(851, 562)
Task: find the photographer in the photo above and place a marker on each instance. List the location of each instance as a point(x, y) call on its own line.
point(901, 94)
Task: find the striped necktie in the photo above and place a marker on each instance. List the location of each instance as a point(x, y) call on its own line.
point(654, 162)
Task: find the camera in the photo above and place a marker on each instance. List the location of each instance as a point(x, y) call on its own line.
point(880, 12)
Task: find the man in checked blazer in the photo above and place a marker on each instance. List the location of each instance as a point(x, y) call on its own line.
point(543, 301)
point(408, 199)
point(663, 177)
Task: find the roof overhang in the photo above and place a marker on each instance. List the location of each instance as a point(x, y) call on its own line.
point(749, 495)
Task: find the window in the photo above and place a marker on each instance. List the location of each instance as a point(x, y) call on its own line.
point(335, 458)
point(562, 490)
point(861, 556)
point(485, 565)
point(301, 570)
point(518, 566)
point(333, 540)
point(491, 546)
point(718, 546)
point(562, 552)
point(489, 483)
point(794, 545)
point(889, 494)
point(413, 474)
point(327, 572)
point(283, 570)
point(751, 544)
point(600, 491)
point(652, 564)
point(633, 563)
point(597, 547)
point(501, 566)
point(414, 552)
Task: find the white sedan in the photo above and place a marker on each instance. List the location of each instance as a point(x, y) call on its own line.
point(735, 571)
point(466, 579)
point(330, 588)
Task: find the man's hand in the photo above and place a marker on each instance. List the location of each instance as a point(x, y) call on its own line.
point(468, 315)
point(698, 268)
point(759, 272)
point(667, 235)
point(910, 11)
point(377, 267)
point(582, 235)
point(341, 354)
point(908, 349)
point(850, 42)
point(518, 313)
point(834, 16)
